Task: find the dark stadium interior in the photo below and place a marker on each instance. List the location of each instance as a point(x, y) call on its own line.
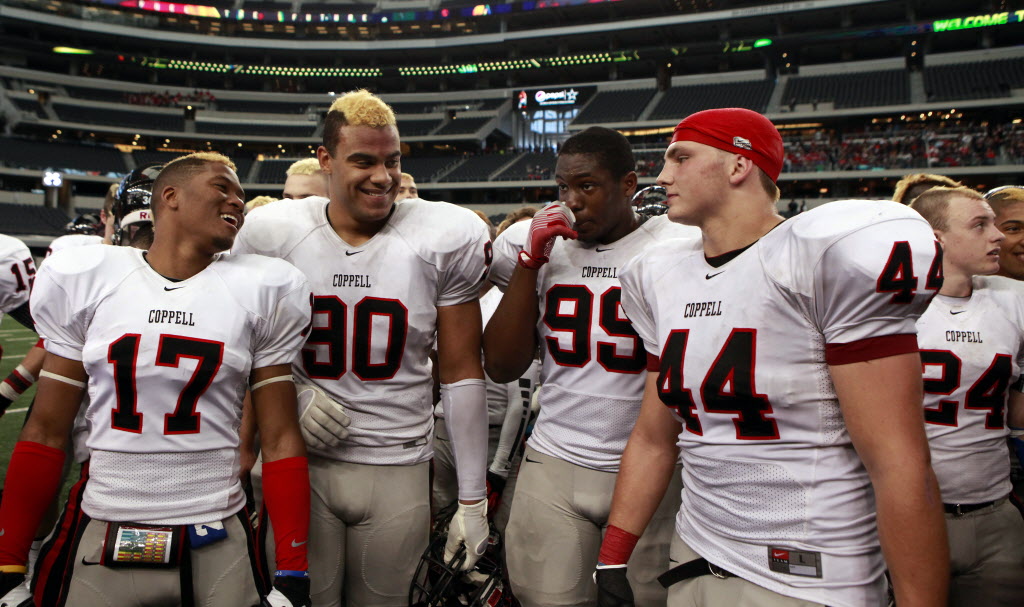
point(862, 91)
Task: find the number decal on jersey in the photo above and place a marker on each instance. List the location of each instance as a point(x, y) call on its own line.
point(369, 312)
point(25, 280)
point(728, 387)
point(569, 309)
point(397, 317)
point(208, 355)
point(943, 414)
point(332, 334)
point(898, 278)
point(987, 393)
point(123, 354)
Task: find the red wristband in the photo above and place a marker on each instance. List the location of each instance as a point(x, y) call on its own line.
point(617, 546)
point(33, 479)
point(286, 492)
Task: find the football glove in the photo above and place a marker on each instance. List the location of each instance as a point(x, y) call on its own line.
point(549, 223)
point(289, 592)
point(469, 526)
point(322, 420)
point(612, 586)
point(14, 591)
point(495, 487)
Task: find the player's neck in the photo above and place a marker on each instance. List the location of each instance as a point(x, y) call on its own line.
point(736, 228)
point(956, 283)
point(177, 261)
point(351, 230)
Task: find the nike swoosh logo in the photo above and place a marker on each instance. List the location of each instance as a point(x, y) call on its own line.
point(350, 253)
point(958, 312)
point(174, 288)
point(297, 544)
point(85, 562)
point(600, 250)
point(710, 276)
point(532, 461)
point(778, 555)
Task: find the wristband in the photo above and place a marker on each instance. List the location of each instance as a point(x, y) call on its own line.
point(617, 547)
point(290, 573)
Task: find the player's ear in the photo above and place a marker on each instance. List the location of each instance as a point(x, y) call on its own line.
point(170, 194)
point(629, 185)
point(739, 168)
point(940, 236)
point(325, 159)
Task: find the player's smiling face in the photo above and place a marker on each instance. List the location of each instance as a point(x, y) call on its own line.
point(600, 202)
point(1010, 222)
point(970, 242)
point(364, 171)
point(215, 202)
point(695, 178)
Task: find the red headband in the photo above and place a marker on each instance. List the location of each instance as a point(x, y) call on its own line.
point(739, 131)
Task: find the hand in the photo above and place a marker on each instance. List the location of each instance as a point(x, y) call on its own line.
point(14, 591)
point(4, 403)
point(550, 222)
point(322, 420)
point(612, 586)
point(495, 487)
point(289, 592)
point(469, 526)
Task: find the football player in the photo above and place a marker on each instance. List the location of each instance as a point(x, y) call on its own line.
point(407, 188)
point(785, 365)
point(257, 202)
point(160, 518)
point(386, 279)
point(915, 184)
point(563, 294)
point(305, 179)
point(972, 348)
point(1008, 204)
point(84, 229)
point(16, 282)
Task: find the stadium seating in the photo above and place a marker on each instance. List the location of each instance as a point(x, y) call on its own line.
point(425, 168)
point(530, 166)
point(95, 94)
point(258, 128)
point(274, 171)
point(261, 107)
point(478, 168)
point(850, 90)
point(615, 106)
point(975, 80)
point(417, 128)
point(169, 120)
point(31, 219)
point(27, 154)
point(681, 101)
point(29, 105)
point(463, 126)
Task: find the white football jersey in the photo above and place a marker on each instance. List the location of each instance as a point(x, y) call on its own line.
point(972, 350)
point(17, 273)
point(168, 365)
point(375, 312)
point(774, 491)
point(72, 240)
point(593, 368)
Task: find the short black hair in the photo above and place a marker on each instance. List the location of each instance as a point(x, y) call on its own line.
point(608, 146)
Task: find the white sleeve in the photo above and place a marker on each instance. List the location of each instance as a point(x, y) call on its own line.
point(506, 253)
point(280, 337)
point(874, 284)
point(466, 267)
point(635, 306)
point(17, 271)
point(61, 326)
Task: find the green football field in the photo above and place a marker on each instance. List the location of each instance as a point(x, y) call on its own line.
point(16, 341)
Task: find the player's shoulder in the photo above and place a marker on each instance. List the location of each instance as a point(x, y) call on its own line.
point(662, 228)
point(89, 273)
point(249, 271)
point(436, 227)
point(1006, 292)
point(11, 246)
point(273, 229)
point(515, 234)
point(665, 253)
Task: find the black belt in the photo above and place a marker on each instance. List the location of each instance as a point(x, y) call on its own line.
point(692, 569)
point(962, 509)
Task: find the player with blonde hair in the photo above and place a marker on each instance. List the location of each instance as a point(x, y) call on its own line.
point(305, 179)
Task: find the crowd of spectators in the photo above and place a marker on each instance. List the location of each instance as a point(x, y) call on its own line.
point(168, 99)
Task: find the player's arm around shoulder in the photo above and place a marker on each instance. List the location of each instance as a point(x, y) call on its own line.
point(510, 339)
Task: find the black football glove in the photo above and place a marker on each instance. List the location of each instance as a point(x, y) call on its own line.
point(612, 587)
point(13, 592)
point(289, 592)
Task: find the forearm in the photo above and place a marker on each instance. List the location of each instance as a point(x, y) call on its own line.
point(510, 339)
point(912, 530)
point(644, 475)
point(275, 411)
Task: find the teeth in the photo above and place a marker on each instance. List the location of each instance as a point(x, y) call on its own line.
point(229, 218)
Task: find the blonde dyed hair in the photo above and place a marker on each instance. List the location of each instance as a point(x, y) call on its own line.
point(258, 202)
point(915, 184)
point(185, 167)
point(306, 166)
point(355, 108)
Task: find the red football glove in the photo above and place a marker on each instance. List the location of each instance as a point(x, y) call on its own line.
point(551, 222)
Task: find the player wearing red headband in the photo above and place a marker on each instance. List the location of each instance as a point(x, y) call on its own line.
point(784, 363)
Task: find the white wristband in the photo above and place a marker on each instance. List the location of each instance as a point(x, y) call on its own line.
point(260, 384)
point(62, 379)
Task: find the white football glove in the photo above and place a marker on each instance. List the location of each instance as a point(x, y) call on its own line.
point(17, 597)
point(322, 420)
point(469, 526)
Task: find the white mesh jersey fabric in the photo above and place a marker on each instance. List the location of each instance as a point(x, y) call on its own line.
point(15, 280)
point(593, 366)
point(770, 463)
point(70, 241)
point(375, 312)
point(168, 364)
point(984, 337)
